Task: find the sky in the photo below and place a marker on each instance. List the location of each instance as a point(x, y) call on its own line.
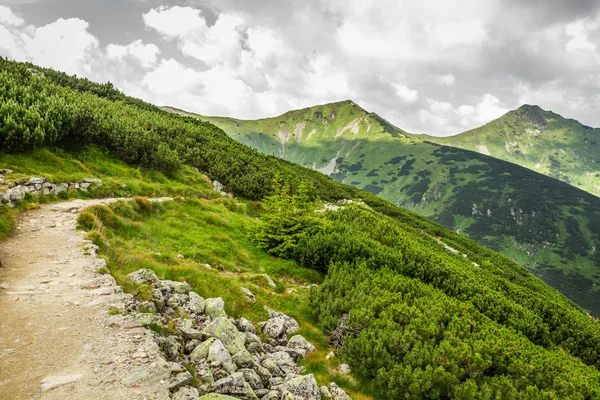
point(439, 67)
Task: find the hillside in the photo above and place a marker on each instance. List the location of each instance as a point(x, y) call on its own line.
point(540, 140)
point(548, 226)
point(415, 310)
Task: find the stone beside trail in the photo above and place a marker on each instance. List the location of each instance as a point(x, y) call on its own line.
point(58, 341)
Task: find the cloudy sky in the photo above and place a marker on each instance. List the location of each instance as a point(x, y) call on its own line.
point(432, 66)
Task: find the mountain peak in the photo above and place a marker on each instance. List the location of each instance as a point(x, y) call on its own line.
point(531, 115)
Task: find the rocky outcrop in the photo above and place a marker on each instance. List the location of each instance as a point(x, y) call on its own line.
point(224, 354)
point(19, 190)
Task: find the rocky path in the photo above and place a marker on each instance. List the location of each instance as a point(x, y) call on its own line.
point(54, 342)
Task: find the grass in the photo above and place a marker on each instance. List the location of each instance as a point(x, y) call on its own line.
point(177, 239)
point(119, 179)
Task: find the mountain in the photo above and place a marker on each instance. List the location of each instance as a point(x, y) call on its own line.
point(548, 226)
point(416, 310)
point(540, 140)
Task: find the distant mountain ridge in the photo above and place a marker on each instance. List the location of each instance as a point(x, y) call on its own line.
point(540, 140)
point(546, 225)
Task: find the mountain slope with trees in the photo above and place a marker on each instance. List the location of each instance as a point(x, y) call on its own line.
point(548, 226)
point(540, 140)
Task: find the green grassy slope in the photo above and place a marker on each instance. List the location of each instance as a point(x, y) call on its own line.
point(542, 141)
point(548, 226)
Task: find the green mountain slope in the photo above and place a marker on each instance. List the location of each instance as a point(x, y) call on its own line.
point(548, 226)
point(418, 311)
point(542, 141)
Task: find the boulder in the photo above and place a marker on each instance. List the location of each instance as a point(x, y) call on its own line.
point(235, 385)
point(343, 369)
point(213, 350)
point(246, 326)
point(224, 330)
point(215, 307)
point(143, 276)
point(173, 287)
point(291, 325)
point(300, 344)
point(195, 303)
point(252, 377)
point(300, 388)
point(274, 328)
point(337, 393)
point(270, 281)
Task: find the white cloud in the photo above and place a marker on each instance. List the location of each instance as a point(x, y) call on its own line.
point(404, 93)
point(145, 54)
point(445, 80)
point(175, 21)
point(457, 33)
point(7, 17)
point(577, 31)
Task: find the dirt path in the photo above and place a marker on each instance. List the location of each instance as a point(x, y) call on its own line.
point(54, 340)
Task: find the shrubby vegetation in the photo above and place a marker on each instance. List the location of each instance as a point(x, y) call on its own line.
point(418, 321)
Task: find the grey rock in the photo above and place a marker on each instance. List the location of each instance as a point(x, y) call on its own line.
point(291, 325)
point(275, 328)
point(215, 307)
point(271, 395)
point(173, 374)
point(226, 332)
point(195, 303)
point(243, 359)
point(337, 393)
point(236, 385)
point(248, 294)
point(262, 372)
point(300, 388)
point(173, 286)
point(330, 355)
point(343, 369)
point(124, 321)
point(269, 280)
point(325, 393)
point(201, 351)
point(252, 377)
point(186, 393)
point(300, 344)
point(190, 333)
point(246, 326)
point(143, 276)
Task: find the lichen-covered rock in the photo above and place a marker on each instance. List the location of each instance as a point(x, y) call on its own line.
point(173, 287)
point(300, 344)
point(243, 359)
point(224, 330)
point(252, 377)
point(291, 325)
point(274, 328)
point(195, 303)
point(246, 326)
point(262, 372)
point(215, 308)
point(186, 393)
point(300, 388)
point(235, 385)
point(338, 393)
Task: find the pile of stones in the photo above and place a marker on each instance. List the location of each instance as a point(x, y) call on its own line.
point(35, 186)
point(213, 356)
